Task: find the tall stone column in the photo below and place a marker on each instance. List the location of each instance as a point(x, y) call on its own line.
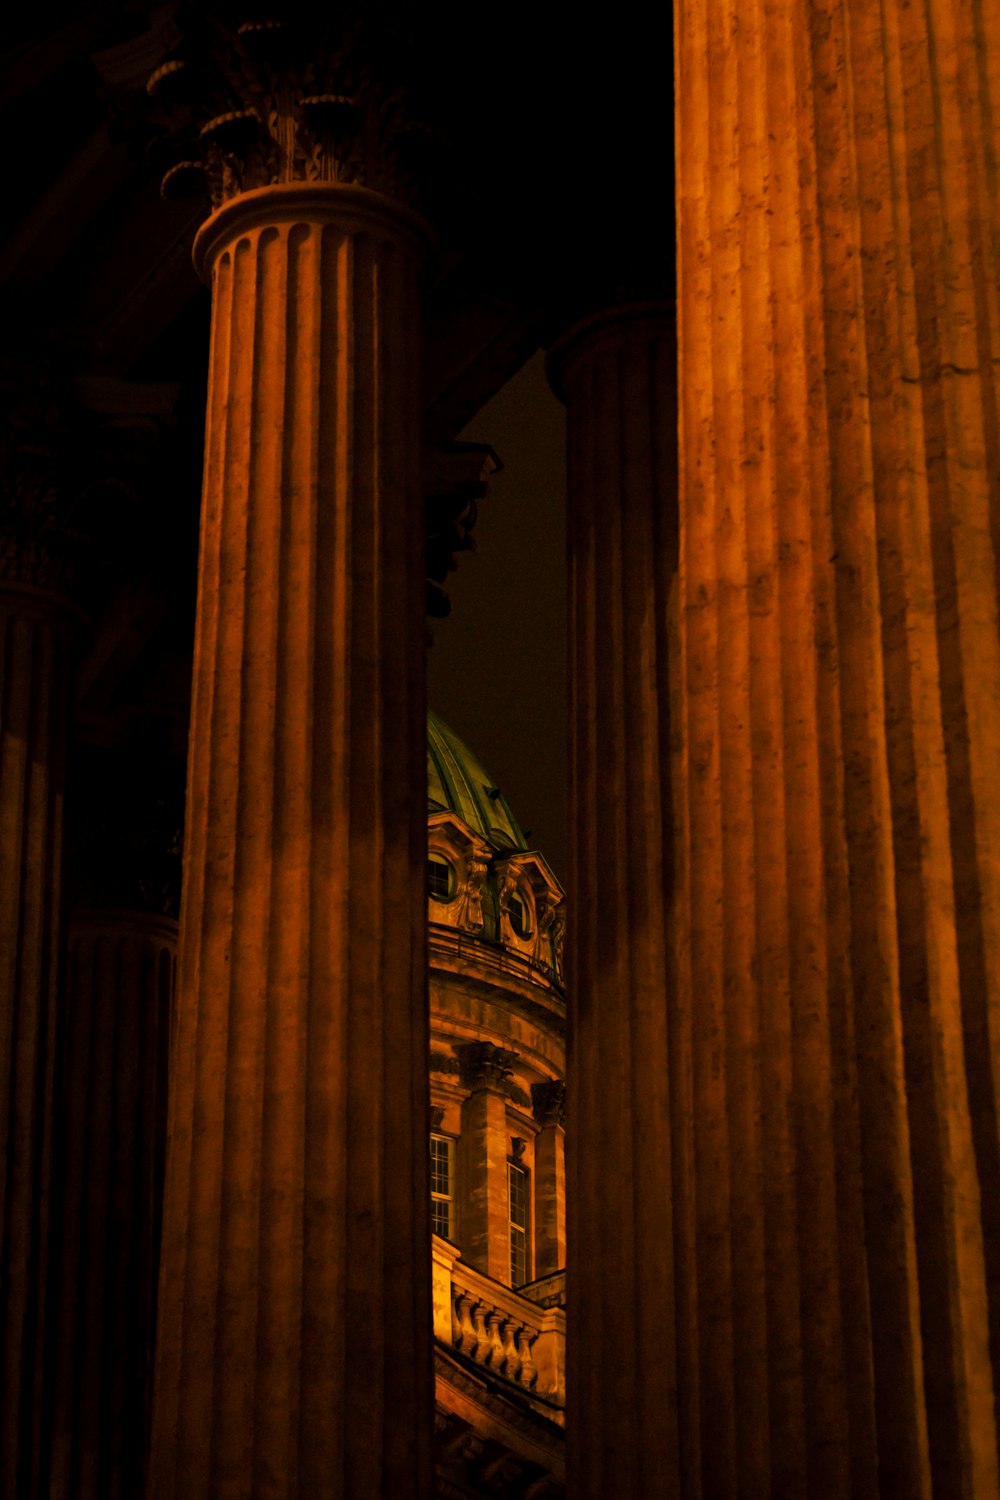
point(294, 1335)
point(37, 631)
point(484, 1148)
point(617, 374)
point(123, 879)
point(811, 946)
point(550, 1177)
point(113, 1078)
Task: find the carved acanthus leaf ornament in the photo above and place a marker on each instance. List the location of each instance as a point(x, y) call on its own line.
point(296, 97)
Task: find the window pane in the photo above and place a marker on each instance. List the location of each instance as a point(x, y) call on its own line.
point(517, 1189)
point(517, 1182)
point(440, 877)
point(441, 1217)
point(441, 1185)
point(519, 917)
point(518, 1256)
point(440, 1166)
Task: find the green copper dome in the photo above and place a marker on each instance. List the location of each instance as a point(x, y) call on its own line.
point(457, 781)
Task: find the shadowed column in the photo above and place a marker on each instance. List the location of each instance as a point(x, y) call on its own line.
point(617, 375)
point(810, 982)
point(112, 1082)
point(35, 637)
point(549, 1101)
point(294, 1323)
point(123, 878)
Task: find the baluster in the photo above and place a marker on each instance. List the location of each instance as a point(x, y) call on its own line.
point(528, 1374)
point(456, 1316)
point(511, 1366)
point(466, 1340)
point(495, 1356)
point(484, 1344)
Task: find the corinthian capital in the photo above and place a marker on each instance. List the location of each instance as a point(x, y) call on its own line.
point(486, 1066)
point(549, 1102)
point(293, 98)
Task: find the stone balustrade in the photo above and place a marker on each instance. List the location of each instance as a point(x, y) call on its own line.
point(546, 1291)
point(498, 1328)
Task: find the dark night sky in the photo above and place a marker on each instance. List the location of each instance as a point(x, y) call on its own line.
point(497, 669)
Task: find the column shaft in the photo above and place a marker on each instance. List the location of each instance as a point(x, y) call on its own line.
point(34, 711)
point(820, 1031)
point(293, 1353)
point(623, 1265)
point(550, 1200)
point(484, 1148)
point(112, 1078)
point(841, 671)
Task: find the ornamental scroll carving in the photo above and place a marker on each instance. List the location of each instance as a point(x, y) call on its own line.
point(486, 1066)
point(557, 937)
point(470, 915)
point(507, 883)
point(549, 1102)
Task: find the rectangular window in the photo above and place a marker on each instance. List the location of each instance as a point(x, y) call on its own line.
point(517, 1192)
point(442, 1184)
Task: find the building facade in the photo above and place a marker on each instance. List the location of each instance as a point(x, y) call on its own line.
point(496, 920)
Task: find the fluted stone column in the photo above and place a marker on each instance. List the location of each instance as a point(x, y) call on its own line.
point(550, 1177)
point(617, 375)
point(112, 1083)
point(36, 634)
point(811, 903)
point(294, 1336)
point(484, 1148)
point(123, 883)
